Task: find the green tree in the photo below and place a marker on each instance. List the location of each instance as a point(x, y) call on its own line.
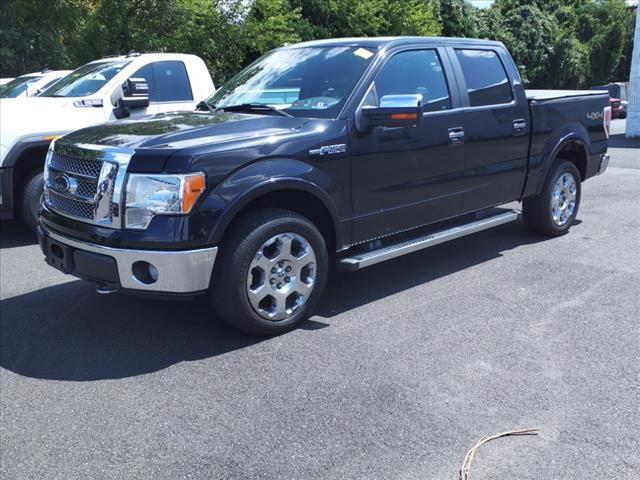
point(348, 18)
point(34, 34)
point(458, 18)
point(269, 24)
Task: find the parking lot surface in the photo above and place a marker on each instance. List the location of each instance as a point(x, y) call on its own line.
point(405, 366)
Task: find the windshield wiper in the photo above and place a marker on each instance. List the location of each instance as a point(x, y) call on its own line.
point(205, 106)
point(253, 107)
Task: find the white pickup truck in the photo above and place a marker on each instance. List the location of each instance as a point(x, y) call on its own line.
point(112, 88)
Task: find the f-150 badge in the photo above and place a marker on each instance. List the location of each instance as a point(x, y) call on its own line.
point(329, 149)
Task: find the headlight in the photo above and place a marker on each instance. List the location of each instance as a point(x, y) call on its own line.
point(47, 161)
point(150, 195)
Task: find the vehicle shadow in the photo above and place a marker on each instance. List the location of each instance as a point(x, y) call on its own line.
point(620, 141)
point(69, 332)
point(14, 234)
point(348, 291)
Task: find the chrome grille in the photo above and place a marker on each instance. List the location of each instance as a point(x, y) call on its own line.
point(75, 208)
point(86, 182)
point(86, 189)
point(79, 166)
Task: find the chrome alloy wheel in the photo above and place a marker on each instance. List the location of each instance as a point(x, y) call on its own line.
point(281, 276)
point(563, 199)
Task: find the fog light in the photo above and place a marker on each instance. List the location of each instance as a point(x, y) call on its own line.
point(144, 272)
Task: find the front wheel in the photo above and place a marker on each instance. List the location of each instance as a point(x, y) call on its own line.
point(554, 209)
point(271, 272)
point(30, 201)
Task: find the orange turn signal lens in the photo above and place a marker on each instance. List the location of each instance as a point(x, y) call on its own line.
point(192, 188)
point(404, 116)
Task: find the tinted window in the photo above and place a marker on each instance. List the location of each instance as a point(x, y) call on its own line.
point(145, 72)
point(171, 82)
point(487, 82)
point(415, 71)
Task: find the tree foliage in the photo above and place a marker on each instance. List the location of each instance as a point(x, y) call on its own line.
point(561, 43)
point(557, 43)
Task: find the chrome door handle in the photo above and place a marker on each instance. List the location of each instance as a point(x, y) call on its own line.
point(456, 135)
point(519, 125)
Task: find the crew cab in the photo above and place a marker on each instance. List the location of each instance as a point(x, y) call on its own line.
point(388, 146)
point(94, 93)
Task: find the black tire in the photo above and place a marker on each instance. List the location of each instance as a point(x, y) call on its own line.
point(30, 201)
point(538, 212)
point(229, 287)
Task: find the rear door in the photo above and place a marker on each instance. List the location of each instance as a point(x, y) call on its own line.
point(405, 177)
point(496, 127)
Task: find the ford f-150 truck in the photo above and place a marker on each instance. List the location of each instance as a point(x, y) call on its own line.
point(387, 146)
point(94, 93)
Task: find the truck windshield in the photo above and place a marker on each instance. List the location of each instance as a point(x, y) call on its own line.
point(85, 80)
point(303, 82)
point(16, 86)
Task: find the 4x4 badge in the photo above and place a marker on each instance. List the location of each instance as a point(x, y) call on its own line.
point(329, 149)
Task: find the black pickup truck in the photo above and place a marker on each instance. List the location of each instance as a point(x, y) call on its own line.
point(352, 151)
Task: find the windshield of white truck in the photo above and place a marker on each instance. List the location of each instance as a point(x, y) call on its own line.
point(85, 80)
point(18, 85)
point(303, 82)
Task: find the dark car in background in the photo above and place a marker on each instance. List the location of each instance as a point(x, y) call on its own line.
point(618, 105)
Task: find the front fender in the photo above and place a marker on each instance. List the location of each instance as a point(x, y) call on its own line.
point(267, 176)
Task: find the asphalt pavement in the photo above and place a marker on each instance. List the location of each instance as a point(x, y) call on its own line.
point(406, 365)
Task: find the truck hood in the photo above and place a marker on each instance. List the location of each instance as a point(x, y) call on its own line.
point(178, 130)
point(36, 117)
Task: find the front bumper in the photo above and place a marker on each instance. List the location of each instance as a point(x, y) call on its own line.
point(604, 163)
point(176, 272)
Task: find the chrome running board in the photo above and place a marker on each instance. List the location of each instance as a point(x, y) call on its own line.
point(366, 259)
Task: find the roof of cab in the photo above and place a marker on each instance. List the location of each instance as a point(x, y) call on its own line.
point(380, 42)
point(135, 56)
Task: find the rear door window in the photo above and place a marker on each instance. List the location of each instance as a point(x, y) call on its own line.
point(172, 82)
point(485, 76)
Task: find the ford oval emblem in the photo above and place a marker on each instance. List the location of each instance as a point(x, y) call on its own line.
point(61, 183)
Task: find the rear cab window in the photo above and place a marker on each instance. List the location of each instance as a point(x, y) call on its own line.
point(485, 76)
point(172, 82)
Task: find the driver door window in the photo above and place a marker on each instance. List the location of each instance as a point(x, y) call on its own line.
point(415, 71)
point(145, 72)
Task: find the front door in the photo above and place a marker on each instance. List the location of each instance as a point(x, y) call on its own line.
point(409, 176)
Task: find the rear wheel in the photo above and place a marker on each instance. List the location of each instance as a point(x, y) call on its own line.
point(554, 209)
point(271, 272)
point(30, 201)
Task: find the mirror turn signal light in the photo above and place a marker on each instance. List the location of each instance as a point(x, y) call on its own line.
point(192, 188)
point(404, 116)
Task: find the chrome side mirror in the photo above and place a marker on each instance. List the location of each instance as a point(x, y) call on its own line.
point(393, 111)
